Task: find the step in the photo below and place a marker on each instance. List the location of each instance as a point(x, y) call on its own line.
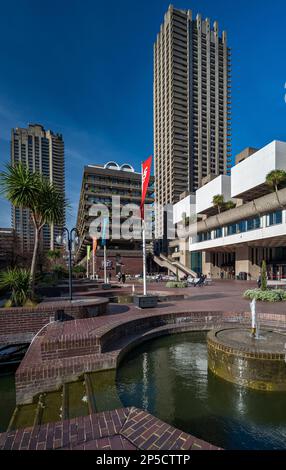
point(104, 390)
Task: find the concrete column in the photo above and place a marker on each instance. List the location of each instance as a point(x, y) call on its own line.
point(244, 264)
point(207, 265)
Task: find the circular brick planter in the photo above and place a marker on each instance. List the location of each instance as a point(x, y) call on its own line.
point(259, 364)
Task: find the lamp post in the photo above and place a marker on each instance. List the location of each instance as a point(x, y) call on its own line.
point(72, 237)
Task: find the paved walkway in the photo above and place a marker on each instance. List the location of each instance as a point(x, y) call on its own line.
point(226, 296)
point(125, 429)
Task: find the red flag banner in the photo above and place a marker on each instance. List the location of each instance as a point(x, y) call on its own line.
point(94, 246)
point(146, 173)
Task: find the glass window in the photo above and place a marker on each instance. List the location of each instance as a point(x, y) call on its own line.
point(253, 224)
point(274, 219)
point(218, 233)
point(203, 237)
point(242, 226)
point(232, 229)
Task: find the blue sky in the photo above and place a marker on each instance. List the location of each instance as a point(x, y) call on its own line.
point(84, 68)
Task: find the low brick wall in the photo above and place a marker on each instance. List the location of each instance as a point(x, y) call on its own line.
point(19, 325)
point(211, 319)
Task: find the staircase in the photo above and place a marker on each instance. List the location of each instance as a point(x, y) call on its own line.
point(95, 392)
point(187, 270)
point(174, 266)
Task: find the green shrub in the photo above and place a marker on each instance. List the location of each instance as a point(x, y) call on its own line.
point(275, 295)
point(264, 276)
point(60, 272)
point(79, 269)
point(17, 281)
point(176, 285)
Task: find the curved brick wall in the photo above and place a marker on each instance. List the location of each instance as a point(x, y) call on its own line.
point(246, 365)
point(19, 325)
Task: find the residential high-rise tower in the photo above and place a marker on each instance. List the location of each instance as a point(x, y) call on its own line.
point(192, 118)
point(41, 151)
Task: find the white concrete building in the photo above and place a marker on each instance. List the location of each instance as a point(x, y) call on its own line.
point(235, 242)
point(204, 195)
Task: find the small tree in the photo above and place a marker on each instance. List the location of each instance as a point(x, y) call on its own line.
point(29, 190)
point(264, 276)
point(276, 179)
point(218, 202)
point(18, 282)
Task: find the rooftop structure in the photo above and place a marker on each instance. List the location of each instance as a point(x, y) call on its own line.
point(104, 184)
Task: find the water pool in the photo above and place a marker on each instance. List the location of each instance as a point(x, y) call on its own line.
point(169, 377)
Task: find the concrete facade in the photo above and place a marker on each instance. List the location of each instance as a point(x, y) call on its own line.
point(235, 242)
point(7, 247)
point(42, 151)
point(204, 196)
point(191, 106)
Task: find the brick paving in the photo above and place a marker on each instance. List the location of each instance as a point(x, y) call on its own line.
point(124, 429)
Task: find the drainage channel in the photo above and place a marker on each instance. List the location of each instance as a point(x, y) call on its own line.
point(93, 393)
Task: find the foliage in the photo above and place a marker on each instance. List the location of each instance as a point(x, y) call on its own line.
point(79, 269)
point(18, 282)
point(218, 202)
point(33, 191)
point(229, 205)
point(264, 276)
point(53, 254)
point(275, 179)
point(275, 295)
point(176, 285)
point(60, 271)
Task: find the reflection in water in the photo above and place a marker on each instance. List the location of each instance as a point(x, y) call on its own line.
point(8, 398)
point(145, 381)
point(169, 377)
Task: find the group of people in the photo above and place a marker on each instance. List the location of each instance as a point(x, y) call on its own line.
point(121, 277)
point(201, 281)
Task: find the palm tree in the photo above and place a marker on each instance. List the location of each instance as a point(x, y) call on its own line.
point(218, 202)
point(274, 179)
point(33, 191)
point(53, 255)
point(18, 282)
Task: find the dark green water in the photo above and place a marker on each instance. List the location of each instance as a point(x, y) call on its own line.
point(7, 397)
point(169, 378)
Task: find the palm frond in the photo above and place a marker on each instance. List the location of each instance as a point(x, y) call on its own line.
point(19, 185)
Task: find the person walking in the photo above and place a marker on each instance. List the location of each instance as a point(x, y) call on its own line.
point(259, 282)
point(123, 278)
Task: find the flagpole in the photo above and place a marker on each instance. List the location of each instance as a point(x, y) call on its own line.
point(93, 264)
point(87, 266)
point(144, 258)
point(104, 263)
point(143, 234)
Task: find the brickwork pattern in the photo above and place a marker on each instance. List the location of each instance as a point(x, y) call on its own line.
point(19, 324)
point(124, 429)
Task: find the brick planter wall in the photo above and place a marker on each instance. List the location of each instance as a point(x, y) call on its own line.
point(19, 325)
